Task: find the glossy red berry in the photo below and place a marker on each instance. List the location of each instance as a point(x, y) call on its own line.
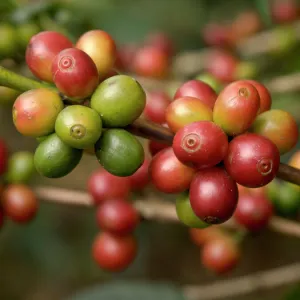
point(253, 211)
point(284, 11)
point(102, 186)
point(3, 157)
point(117, 216)
point(114, 252)
point(155, 147)
point(236, 107)
point(141, 177)
point(252, 160)
point(203, 144)
point(168, 174)
point(19, 203)
point(42, 49)
point(197, 89)
point(213, 195)
point(201, 236)
point(74, 73)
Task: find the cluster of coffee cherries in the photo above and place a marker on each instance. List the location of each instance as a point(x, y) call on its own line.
point(17, 200)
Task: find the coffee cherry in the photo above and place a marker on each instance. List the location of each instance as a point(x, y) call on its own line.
point(8, 95)
point(197, 89)
point(119, 100)
point(213, 195)
point(294, 161)
point(204, 144)
point(264, 96)
point(284, 11)
point(185, 213)
point(3, 157)
point(19, 203)
point(186, 110)
point(125, 56)
point(54, 159)
point(168, 174)
point(253, 212)
point(278, 126)
point(216, 35)
point(9, 45)
point(102, 186)
point(20, 167)
point(140, 179)
point(101, 47)
point(113, 252)
point(220, 255)
point(252, 160)
point(151, 61)
point(117, 216)
point(156, 105)
point(236, 107)
point(42, 49)
point(119, 152)
point(201, 236)
point(155, 147)
point(162, 41)
point(209, 79)
point(78, 126)
point(35, 111)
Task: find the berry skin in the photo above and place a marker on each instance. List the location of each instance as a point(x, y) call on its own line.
point(102, 186)
point(253, 212)
point(209, 79)
point(216, 35)
point(186, 110)
point(284, 11)
point(213, 195)
point(140, 179)
point(168, 174)
point(278, 126)
point(252, 160)
point(156, 105)
point(220, 255)
point(236, 107)
point(35, 111)
point(117, 216)
point(204, 144)
point(201, 236)
point(78, 126)
point(161, 41)
point(42, 49)
point(197, 89)
point(113, 252)
point(185, 213)
point(155, 147)
point(100, 46)
point(119, 100)
point(3, 157)
point(75, 74)
point(19, 203)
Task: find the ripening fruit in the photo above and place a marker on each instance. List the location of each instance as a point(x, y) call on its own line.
point(75, 74)
point(203, 144)
point(236, 107)
point(216, 35)
point(3, 156)
point(19, 203)
point(185, 213)
point(220, 255)
point(8, 95)
point(284, 11)
point(253, 211)
point(102, 185)
point(35, 111)
point(213, 195)
point(156, 105)
point(279, 126)
point(9, 45)
point(78, 126)
point(162, 41)
point(101, 47)
point(209, 79)
point(168, 174)
point(295, 160)
point(186, 110)
point(140, 179)
point(155, 147)
point(252, 160)
point(124, 57)
point(113, 252)
point(197, 89)
point(201, 236)
point(117, 216)
point(42, 49)
point(119, 100)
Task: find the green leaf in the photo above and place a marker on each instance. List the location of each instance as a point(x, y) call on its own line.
point(263, 7)
point(130, 290)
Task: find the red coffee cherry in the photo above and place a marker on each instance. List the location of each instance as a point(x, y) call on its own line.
point(236, 107)
point(162, 41)
point(204, 144)
point(220, 255)
point(284, 11)
point(216, 35)
point(252, 160)
point(253, 211)
point(140, 179)
point(155, 147)
point(102, 186)
point(114, 252)
point(3, 157)
point(74, 73)
point(213, 195)
point(124, 57)
point(42, 49)
point(201, 236)
point(168, 174)
point(197, 89)
point(117, 216)
point(19, 203)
